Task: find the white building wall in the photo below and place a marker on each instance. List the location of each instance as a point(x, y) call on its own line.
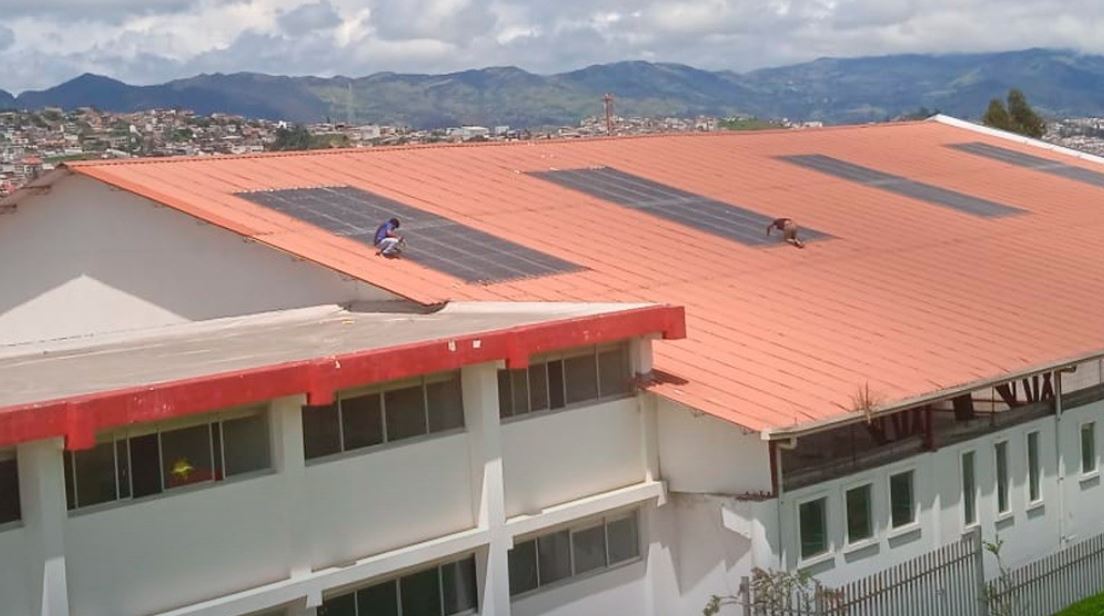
point(702, 454)
point(562, 455)
point(15, 588)
point(85, 258)
point(1083, 516)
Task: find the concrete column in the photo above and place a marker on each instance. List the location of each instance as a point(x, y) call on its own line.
point(42, 494)
point(287, 448)
point(480, 385)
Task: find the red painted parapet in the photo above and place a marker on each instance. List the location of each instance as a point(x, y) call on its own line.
point(80, 418)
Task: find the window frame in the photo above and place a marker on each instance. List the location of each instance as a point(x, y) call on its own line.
point(616, 515)
point(546, 359)
point(829, 544)
point(914, 492)
point(7, 454)
point(1036, 468)
point(972, 452)
point(1095, 470)
point(395, 578)
point(848, 544)
point(1002, 514)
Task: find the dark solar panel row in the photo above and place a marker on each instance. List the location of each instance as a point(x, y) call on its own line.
point(902, 186)
point(670, 203)
point(1037, 163)
point(432, 241)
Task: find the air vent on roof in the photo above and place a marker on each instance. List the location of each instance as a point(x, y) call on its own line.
point(902, 186)
point(702, 213)
point(433, 241)
point(1037, 163)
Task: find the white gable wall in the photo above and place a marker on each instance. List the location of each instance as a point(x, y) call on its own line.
point(86, 258)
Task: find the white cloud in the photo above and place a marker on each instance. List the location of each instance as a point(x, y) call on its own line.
point(145, 41)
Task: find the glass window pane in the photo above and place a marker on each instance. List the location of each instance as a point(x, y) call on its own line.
point(186, 456)
point(519, 389)
point(623, 543)
point(96, 475)
point(860, 524)
point(538, 387)
point(969, 489)
point(582, 378)
point(321, 432)
point(555, 384)
point(613, 371)
point(9, 491)
point(216, 451)
point(421, 594)
point(405, 413)
point(70, 495)
point(458, 586)
point(1002, 478)
point(344, 605)
point(554, 557)
point(813, 527)
point(361, 421)
point(589, 547)
point(902, 506)
point(446, 404)
point(505, 402)
point(1033, 467)
point(122, 463)
point(246, 446)
point(379, 600)
point(145, 465)
point(523, 567)
point(1088, 447)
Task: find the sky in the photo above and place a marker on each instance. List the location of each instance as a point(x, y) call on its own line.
point(45, 42)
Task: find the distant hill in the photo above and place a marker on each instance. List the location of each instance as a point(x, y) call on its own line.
point(7, 101)
point(1059, 83)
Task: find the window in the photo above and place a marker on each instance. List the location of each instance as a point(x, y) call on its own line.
point(571, 378)
point(9, 488)
point(1088, 447)
point(438, 591)
point(393, 412)
point(902, 502)
point(969, 489)
point(1001, 449)
point(813, 527)
point(860, 521)
point(1033, 469)
point(127, 465)
point(565, 553)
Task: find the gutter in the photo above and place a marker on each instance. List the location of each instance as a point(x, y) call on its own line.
point(929, 398)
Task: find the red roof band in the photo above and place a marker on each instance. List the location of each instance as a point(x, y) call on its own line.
point(78, 419)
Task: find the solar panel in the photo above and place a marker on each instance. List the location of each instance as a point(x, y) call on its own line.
point(702, 213)
point(902, 186)
point(433, 241)
point(1037, 163)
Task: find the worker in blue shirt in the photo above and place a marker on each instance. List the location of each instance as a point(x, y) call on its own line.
point(388, 242)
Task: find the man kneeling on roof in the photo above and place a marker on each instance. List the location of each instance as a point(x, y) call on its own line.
point(388, 242)
point(789, 230)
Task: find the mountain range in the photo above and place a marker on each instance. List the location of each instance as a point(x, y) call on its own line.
point(851, 90)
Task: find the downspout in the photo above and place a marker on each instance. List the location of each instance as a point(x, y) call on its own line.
point(776, 463)
point(1061, 459)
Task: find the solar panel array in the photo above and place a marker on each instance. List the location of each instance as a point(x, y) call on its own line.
point(702, 213)
point(902, 186)
point(432, 241)
point(1037, 163)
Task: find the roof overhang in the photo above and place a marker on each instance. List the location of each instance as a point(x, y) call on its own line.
point(338, 354)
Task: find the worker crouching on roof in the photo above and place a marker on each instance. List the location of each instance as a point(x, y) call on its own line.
point(789, 230)
point(388, 242)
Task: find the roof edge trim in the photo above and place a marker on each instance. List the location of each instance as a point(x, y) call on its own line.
point(1015, 138)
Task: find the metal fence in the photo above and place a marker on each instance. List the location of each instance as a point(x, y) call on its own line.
point(945, 582)
point(1050, 584)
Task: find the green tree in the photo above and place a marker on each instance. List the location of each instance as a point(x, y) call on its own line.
point(295, 138)
point(1017, 117)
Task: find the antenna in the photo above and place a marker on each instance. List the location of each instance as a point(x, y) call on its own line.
point(607, 102)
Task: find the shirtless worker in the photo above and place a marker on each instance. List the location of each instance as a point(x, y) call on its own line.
point(789, 230)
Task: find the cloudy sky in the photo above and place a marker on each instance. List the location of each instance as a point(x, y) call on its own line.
point(43, 42)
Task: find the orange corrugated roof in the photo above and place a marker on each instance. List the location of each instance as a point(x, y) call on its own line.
point(910, 298)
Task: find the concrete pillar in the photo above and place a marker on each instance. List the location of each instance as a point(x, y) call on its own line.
point(285, 418)
point(480, 385)
point(42, 494)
